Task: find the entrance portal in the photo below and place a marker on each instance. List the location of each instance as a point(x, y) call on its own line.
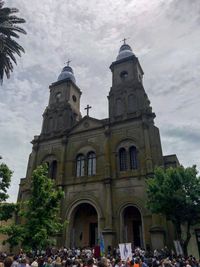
point(85, 226)
point(132, 226)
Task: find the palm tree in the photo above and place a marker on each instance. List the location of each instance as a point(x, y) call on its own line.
point(8, 46)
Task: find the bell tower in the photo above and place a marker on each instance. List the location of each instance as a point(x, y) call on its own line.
point(63, 110)
point(127, 97)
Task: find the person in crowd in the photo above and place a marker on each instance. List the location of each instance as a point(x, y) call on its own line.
point(58, 262)
point(90, 263)
point(34, 263)
point(40, 261)
point(15, 261)
point(48, 263)
point(143, 263)
point(8, 262)
point(68, 263)
point(87, 257)
point(118, 263)
point(137, 262)
point(23, 262)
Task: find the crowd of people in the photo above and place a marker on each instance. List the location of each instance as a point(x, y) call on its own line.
point(86, 258)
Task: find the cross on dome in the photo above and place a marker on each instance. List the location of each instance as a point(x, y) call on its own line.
point(125, 50)
point(124, 40)
point(67, 73)
point(68, 62)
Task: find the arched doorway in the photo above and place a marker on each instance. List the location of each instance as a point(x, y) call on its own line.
point(132, 226)
point(84, 223)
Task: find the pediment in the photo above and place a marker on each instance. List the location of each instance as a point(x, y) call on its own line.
point(85, 124)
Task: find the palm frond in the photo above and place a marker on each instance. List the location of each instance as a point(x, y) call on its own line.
point(14, 10)
point(14, 46)
point(4, 11)
point(11, 27)
point(5, 67)
point(8, 32)
point(10, 54)
point(15, 19)
point(8, 46)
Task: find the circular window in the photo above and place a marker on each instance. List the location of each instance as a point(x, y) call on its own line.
point(86, 124)
point(124, 74)
point(74, 98)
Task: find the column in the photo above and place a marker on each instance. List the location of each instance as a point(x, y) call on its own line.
point(149, 164)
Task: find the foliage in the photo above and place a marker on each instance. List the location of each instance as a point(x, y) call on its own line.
point(9, 29)
point(41, 214)
point(175, 192)
point(5, 179)
point(40, 220)
point(7, 210)
point(15, 234)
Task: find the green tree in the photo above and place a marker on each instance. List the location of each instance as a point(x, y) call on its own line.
point(38, 216)
point(42, 220)
point(9, 30)
point(15, 234)
point(6, 209)
point(175, 192)
point(5, 179)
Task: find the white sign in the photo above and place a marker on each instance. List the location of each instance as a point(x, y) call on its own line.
point(125, 251)
point(179, 250)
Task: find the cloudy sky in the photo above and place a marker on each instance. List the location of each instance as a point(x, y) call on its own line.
point(164, 34)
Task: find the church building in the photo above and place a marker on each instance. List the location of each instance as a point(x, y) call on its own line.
point(102, 164)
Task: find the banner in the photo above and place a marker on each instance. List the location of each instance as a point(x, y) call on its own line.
point(102, 246)
point(125, 251)
point(179, 250)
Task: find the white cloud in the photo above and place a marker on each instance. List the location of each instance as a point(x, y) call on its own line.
point(165, 35)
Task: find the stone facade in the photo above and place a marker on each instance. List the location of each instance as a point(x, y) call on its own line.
point(102, 164)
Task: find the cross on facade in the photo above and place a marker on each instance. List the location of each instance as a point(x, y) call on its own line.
point(68, 62)
point(88, 108)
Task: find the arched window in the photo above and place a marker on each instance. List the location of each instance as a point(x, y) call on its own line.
point(122, 159)
point(118, 107)
point(50, 124)
point(133, 157)
point(91, 163)
point(132, 103)
point(80, 165)
point(53, 169)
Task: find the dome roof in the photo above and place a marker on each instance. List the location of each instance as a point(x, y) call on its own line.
point(67, 73)
point(124, 51)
